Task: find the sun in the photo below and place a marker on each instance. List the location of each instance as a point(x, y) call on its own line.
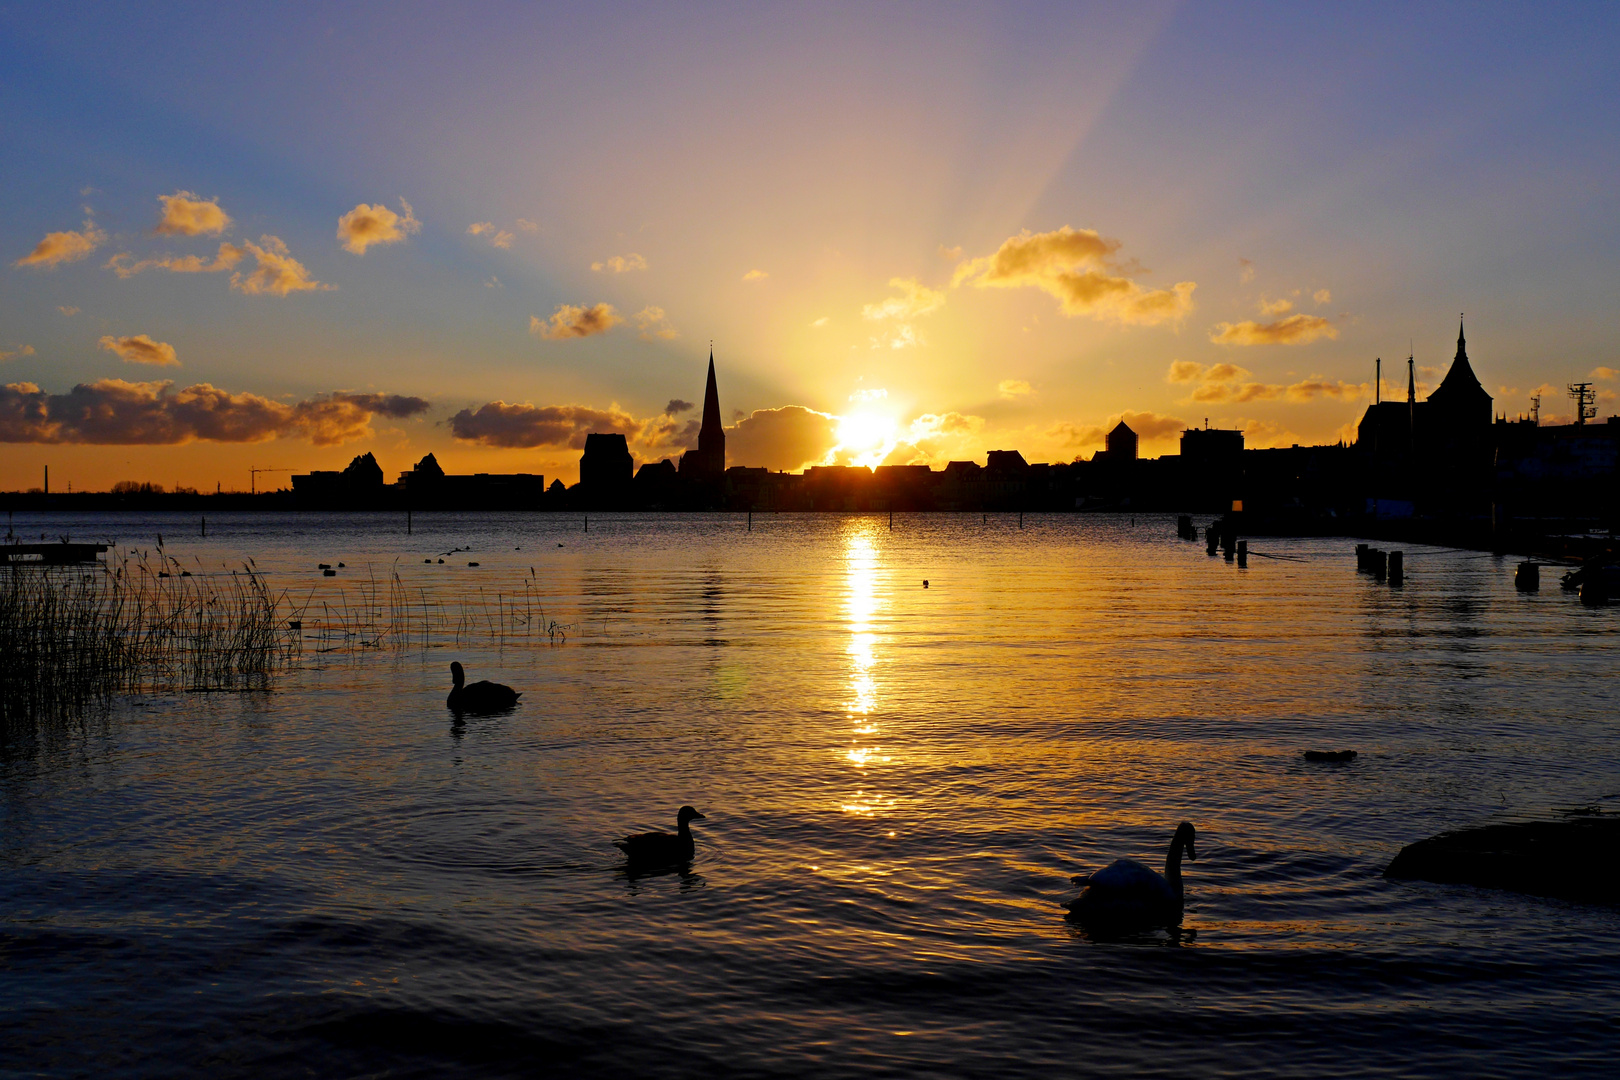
point(865, 438)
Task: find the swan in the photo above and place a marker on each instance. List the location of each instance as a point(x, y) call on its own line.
point(1125, 891)
point(662, 848)
point(480, 697)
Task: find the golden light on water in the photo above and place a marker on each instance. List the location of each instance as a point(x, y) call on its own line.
point(862, 602)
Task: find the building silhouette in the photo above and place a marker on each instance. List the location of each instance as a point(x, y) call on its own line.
point(707, 464)
point(1121, 443)
point(606, 468)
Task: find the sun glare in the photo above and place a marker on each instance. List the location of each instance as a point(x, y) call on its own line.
point(865, 438)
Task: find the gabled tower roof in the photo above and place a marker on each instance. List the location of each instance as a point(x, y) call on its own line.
point(711, 402)
point(1460, 386)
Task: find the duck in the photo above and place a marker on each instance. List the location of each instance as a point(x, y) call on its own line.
point(1126, 892)
point(662, 848)
point(480, 697)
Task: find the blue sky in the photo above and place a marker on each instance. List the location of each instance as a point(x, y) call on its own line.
point(810, 187)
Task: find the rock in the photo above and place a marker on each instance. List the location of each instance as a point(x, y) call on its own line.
point(1569, 860)
point(1330, 755)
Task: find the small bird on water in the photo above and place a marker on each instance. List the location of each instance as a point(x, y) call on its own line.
point(650, 849)
point(478, 697)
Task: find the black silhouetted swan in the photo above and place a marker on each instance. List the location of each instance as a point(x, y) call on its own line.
point(480, 697)
point(662, 848)
point(1127, 893)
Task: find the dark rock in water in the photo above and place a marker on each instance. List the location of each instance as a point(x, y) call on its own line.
point(1330, 755)
point(1569, 860)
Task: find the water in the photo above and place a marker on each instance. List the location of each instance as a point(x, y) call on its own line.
point(335, 879)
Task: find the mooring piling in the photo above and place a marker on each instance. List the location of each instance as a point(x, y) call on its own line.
point(1397, 569)
point(1243, 554)
point(1528, 577)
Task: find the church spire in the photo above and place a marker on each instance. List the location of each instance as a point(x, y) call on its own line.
point(1462, 344)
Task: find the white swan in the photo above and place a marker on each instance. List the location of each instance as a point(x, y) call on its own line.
point(1126, 892)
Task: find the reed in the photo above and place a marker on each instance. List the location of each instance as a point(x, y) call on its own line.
point(70, 635)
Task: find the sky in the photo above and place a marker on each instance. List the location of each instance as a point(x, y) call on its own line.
point(278, 236)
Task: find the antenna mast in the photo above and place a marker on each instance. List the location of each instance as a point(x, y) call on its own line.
point(1585, 399)
point(1535, 409)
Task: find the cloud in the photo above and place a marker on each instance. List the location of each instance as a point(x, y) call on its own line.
point(141, 349)
point(1311, 389)
point(1264, 434)
point(366, 225)
point(500, 238)
point(1322, 296)
point(525, 426)
point(950, 254)
point(1075, 266)
point(278, 274)
point(185, 214)
point(788, 438)
point(21, 350)
point(569, 321)
point(124, 265)
point(654, 325)
point(903, 336)
point(916, 299)
point(676, 406)
point(526, 225)
point(1184, 371)
point(1275, 307)
point(1294, 330)
point(1012, 388)
point(819, 323)
point(756, 275)
point(1245, 271)
point(493, 283)
point(67, 309)
point(1223, 372)
point(1241, 393)
point(115, 412)
point(620, 264)
point(1604, 374)
point(64, 247)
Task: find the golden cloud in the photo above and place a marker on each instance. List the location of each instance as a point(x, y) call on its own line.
point(278, 273)
point(527, 226)
point(620, 264)
point(1275, 307)
point(569, 321)
point(124, 265)
point(366, 225)
point(819, 323)
point(756, 275)
point(788, 438)
point(116, 412)
point(1604, 374)
point(1225, 373)
point(141, 349)
point(655, 325)
point(1322, 296)
point(1241, 393)
point(64, 247)
point(950, 254)
point(916, 299)
point(500, 238)
point(1184, 371)
point(1294, 330)
point(185, 214)
point(500, 424)
point(1311, 389)
point(21, 350)
point(67, 309)
point(1264, 434)
point(1012, 388)
point(1075, 266)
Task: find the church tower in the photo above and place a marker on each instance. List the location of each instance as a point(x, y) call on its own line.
point(708, 461)
point(1459, 397)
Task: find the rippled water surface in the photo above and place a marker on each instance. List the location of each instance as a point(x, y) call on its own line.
point(338, 879)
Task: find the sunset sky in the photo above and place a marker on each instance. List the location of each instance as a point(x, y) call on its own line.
point(252, 235)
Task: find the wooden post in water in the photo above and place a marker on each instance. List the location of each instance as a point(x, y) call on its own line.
point(1361, 556)
point(587, 523)
point(407, 521)
point(891, 519)
point(1397, 568)
point(751, 520)
point(1243, 554)
point(1528, 577)
point(1020, 519)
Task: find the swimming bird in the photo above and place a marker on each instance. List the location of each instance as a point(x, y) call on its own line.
point(479, 697)
point(1127, 893)
point(662, 848)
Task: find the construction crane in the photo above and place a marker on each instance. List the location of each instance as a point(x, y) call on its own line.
point(253, 478)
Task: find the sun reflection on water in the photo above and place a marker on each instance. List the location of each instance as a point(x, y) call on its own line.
point(861, 606)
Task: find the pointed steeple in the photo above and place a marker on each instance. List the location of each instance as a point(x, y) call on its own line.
point(1411, 380)
point(1460, 393)
point(1462, 343)
point(711, 402)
